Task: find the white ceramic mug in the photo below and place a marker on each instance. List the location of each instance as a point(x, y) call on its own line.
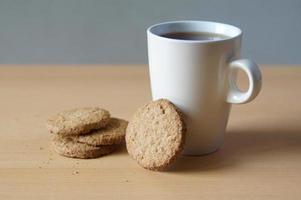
point(199, 76)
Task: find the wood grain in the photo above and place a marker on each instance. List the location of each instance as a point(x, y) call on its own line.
point(261, 157)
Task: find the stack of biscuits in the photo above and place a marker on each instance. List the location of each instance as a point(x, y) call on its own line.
point(86, 132)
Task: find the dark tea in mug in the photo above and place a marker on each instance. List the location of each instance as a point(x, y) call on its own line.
point(194, 36)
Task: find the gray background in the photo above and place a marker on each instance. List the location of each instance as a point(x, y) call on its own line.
point(112, 31)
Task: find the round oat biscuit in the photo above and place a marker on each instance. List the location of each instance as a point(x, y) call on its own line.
point(66, 146)
point(78, 121)
point(113, 133)
point(156, 135)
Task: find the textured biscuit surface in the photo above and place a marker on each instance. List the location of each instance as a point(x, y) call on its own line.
point(113, 133)
point(66, 146)
point(156, 135)
point(78, 121)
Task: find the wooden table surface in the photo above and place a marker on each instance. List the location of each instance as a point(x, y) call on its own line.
point(260, 159)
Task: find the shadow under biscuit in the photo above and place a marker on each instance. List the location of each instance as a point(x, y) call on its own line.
point(242, 147)
point(121, 149)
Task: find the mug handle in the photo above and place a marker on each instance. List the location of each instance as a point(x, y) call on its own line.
point(235, 95)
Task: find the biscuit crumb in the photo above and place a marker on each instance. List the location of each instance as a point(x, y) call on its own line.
point(75, 172)
point(41, 148)
point(127, 181)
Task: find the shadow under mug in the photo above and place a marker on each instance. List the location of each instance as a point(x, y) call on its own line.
point(199, 77)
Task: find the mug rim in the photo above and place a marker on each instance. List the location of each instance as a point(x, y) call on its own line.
point(238, 31)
